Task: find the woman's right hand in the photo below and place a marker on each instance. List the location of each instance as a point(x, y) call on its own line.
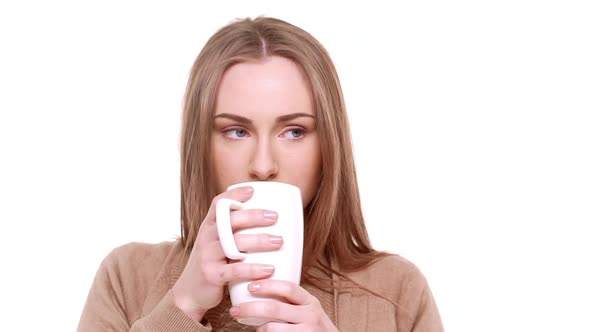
point(200, 286)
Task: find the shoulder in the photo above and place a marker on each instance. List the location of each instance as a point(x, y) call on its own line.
point(401, 283)
point(388, 268)
point(145, 261)
point(130, 273)
point(126, 278)
point(137, 254)
point(393, 277)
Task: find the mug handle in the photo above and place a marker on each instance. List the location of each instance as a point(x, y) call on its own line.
point(226, 236)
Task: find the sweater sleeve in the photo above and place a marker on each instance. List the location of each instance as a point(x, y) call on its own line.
point(427, 318)
point(421, 314)
point(110, 305)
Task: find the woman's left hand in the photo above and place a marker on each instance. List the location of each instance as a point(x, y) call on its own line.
point(300, 310)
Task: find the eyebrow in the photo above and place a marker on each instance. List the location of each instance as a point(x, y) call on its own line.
point(280, 119)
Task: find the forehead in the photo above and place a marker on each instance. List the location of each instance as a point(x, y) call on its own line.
point(271, 86)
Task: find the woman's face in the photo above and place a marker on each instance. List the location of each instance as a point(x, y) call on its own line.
point(264, 127)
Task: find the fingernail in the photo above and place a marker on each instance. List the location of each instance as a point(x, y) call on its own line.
point(268, 268)
point(246, 190)
point(234, 311)
point(270, 215)
point(276, 239)
point(254, 287)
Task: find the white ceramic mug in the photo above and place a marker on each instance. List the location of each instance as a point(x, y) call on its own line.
point(286, 200)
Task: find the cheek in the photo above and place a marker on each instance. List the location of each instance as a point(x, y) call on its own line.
point(315, 170)
point(228, 166)
point(304, 171)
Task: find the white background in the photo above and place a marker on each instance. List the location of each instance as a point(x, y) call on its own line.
point(470, 122)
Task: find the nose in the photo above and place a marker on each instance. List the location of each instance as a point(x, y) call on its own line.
point(263, 165)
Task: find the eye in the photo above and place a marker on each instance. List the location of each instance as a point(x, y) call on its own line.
point(294, 134)
point(235, 133)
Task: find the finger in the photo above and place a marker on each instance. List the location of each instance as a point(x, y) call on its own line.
point(252, 218)
point(272, 310)
point(258, 242)
point(291, 292)
point(278, 327)
point(245, 271)
point(240, 194)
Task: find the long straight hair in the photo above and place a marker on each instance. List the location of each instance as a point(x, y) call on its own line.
point(334, 225)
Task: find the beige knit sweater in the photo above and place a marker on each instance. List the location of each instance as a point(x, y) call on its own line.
point(131, 292)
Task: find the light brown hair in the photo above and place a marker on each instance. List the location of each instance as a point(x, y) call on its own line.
point(334, 225)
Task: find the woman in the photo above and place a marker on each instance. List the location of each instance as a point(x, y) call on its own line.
point(263, 103)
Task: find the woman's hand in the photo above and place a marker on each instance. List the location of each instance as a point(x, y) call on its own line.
point(300, 310)
point(200, 286)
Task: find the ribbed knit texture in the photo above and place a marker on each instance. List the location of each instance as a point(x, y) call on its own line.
point(131, 292)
